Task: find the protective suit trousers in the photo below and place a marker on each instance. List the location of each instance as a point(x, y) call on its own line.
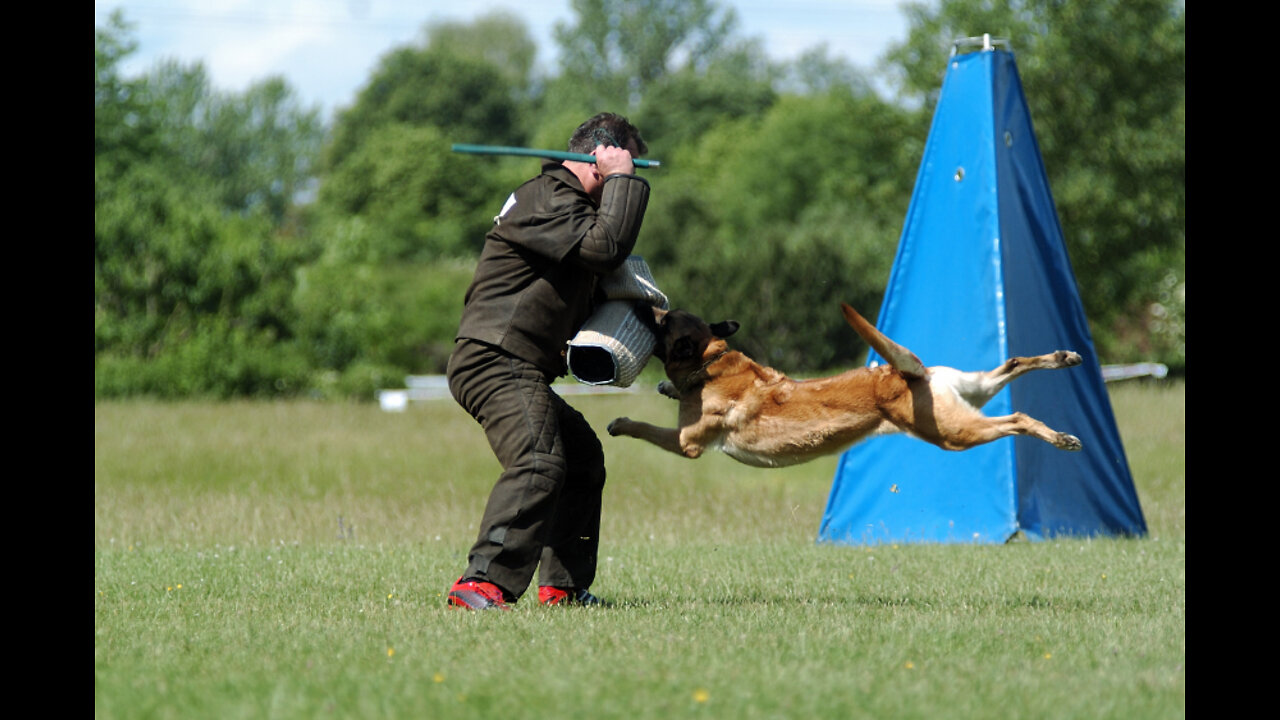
point(544, 511)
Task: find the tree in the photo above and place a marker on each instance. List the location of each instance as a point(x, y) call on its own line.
point(786, 215)
point(256, 150)
point(391, 183)
point(816, 72)
point(498, 39)
point(123, 129)
point(468, 99)
point(192, 267)
point(1105, 84)
point(618, 49)
point(680, 107)
point(403, 195)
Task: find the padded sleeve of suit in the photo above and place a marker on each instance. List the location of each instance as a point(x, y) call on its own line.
point(609, 240)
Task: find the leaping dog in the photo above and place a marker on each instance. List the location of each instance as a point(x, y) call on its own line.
point(760, 417)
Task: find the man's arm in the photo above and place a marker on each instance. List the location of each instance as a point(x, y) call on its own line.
point(609, 240)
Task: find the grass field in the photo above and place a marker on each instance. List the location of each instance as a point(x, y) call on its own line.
point(288, 560)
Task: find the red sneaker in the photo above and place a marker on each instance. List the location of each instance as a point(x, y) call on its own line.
point(477, 595)
point(548, 595)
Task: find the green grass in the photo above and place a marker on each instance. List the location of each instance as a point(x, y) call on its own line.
point(288, 560)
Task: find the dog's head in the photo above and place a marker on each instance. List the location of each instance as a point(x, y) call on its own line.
point(682, 337)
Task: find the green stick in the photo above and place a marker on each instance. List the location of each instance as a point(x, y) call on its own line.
point(530, 152)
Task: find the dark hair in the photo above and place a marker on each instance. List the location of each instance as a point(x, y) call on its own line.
point(605, 129)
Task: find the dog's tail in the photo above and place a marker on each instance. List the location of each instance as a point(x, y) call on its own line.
point(901, 358)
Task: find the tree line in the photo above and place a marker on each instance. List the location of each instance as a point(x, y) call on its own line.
point(244, 245)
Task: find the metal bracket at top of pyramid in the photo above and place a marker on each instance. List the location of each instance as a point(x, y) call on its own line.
point(985, 42)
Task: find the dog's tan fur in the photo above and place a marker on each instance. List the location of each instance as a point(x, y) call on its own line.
point(761, 417)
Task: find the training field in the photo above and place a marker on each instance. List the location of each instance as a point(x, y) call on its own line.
point(289, 560)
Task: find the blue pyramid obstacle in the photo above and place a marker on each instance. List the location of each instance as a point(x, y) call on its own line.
point(982, 274)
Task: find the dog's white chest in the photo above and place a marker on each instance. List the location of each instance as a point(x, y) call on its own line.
point(747, 457)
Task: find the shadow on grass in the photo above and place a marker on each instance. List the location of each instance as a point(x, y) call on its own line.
point(975, 603)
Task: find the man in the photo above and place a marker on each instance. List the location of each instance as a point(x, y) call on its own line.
point(533, 288)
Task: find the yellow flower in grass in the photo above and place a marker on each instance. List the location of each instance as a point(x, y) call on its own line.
point(391, 652)
point(701, 695)
point(910, 665)
point(438, 678)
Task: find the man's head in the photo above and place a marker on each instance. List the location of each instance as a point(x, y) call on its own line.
point(622, 144)
point(606, 129)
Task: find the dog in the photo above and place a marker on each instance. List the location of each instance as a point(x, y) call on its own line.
point(762, 418)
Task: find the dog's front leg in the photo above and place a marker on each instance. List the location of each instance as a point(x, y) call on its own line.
point(669, 439)
point(666, 438)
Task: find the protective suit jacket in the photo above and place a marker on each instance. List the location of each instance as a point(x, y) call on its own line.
point(536, 278)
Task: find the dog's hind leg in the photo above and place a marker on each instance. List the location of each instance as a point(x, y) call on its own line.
point(977, 388)
point(979, 429)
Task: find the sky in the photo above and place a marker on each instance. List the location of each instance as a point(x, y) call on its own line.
point(327, 49)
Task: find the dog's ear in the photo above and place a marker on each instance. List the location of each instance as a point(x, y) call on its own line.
point(724, 329)
point(650, 316)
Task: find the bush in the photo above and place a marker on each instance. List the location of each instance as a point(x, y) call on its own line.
point(360, 381)
point(395, 315)
point(217, 360)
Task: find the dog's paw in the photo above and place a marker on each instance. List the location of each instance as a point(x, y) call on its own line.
point(668, 388)
point(1068, 358)
point(615, 427)
point(1068, 442)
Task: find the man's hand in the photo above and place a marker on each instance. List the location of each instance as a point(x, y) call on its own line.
point(613, 160)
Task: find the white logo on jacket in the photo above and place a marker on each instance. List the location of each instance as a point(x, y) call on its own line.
point(506, 207)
